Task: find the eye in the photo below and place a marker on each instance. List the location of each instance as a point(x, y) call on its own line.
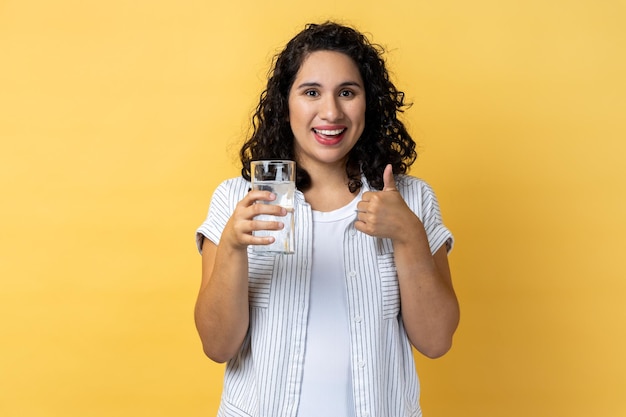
point(346, 93)
point(311, 93)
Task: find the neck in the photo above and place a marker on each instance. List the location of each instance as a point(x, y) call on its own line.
point(322, 173)
point(329, 188)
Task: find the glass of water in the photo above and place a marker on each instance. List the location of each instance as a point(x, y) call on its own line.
point(279, 177)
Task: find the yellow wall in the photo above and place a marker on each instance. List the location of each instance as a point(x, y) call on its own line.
point(118, 118)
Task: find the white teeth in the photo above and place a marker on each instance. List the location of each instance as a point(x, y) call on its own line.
point(329, 132)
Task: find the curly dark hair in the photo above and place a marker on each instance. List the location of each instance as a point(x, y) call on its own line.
point(384, 140)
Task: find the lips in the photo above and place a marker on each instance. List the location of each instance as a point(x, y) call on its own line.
point(329, 136)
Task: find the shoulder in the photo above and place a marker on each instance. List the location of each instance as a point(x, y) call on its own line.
point(408, 183)
point(417, 193)
point(233, 184)
point(231, 190)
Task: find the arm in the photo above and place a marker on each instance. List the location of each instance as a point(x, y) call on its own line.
point(221, 312)
point(429, 306)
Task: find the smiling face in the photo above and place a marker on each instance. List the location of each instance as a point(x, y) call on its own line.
point(326, 109)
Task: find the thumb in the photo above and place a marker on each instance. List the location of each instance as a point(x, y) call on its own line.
point(389, 183)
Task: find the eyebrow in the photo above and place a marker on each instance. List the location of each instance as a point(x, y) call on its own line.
point(316, 84)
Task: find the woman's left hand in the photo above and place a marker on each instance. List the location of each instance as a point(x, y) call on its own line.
point(430, 310)
point(384, 214)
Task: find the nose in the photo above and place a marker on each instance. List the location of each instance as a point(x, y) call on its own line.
point(330, 109)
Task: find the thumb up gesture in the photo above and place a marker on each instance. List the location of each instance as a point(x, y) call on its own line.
point(384, 214)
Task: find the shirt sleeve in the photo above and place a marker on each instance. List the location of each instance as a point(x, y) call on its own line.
point(422, 200)
point(223, 202)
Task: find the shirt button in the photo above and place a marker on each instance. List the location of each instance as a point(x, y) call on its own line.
point(361, 364)
point(353, 232)
point(352, 274)
point(358, 319)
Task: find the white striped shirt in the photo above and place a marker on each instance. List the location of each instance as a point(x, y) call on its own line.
point(264, 378)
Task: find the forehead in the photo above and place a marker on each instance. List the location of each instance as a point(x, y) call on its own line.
point(329, 65)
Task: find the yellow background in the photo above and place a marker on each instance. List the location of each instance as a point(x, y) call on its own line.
point(118, 118)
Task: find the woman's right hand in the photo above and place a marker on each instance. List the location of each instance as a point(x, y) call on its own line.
point(222, 310)
point(238, 232)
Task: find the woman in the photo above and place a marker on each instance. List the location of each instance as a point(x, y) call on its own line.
point(329, 330)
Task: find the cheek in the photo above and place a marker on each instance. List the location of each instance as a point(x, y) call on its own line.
point(298, 116)
point(357, 111)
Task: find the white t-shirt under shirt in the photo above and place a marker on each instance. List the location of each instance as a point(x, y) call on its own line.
point(327, 380)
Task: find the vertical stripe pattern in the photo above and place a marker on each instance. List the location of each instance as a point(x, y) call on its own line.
point(264, 379)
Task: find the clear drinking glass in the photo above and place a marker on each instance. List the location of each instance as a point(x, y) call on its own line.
point(279, 177)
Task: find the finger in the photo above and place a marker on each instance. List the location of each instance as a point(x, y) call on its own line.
point(259, 195)
point(389, 182)
point(266, 223)
point(267, 209)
